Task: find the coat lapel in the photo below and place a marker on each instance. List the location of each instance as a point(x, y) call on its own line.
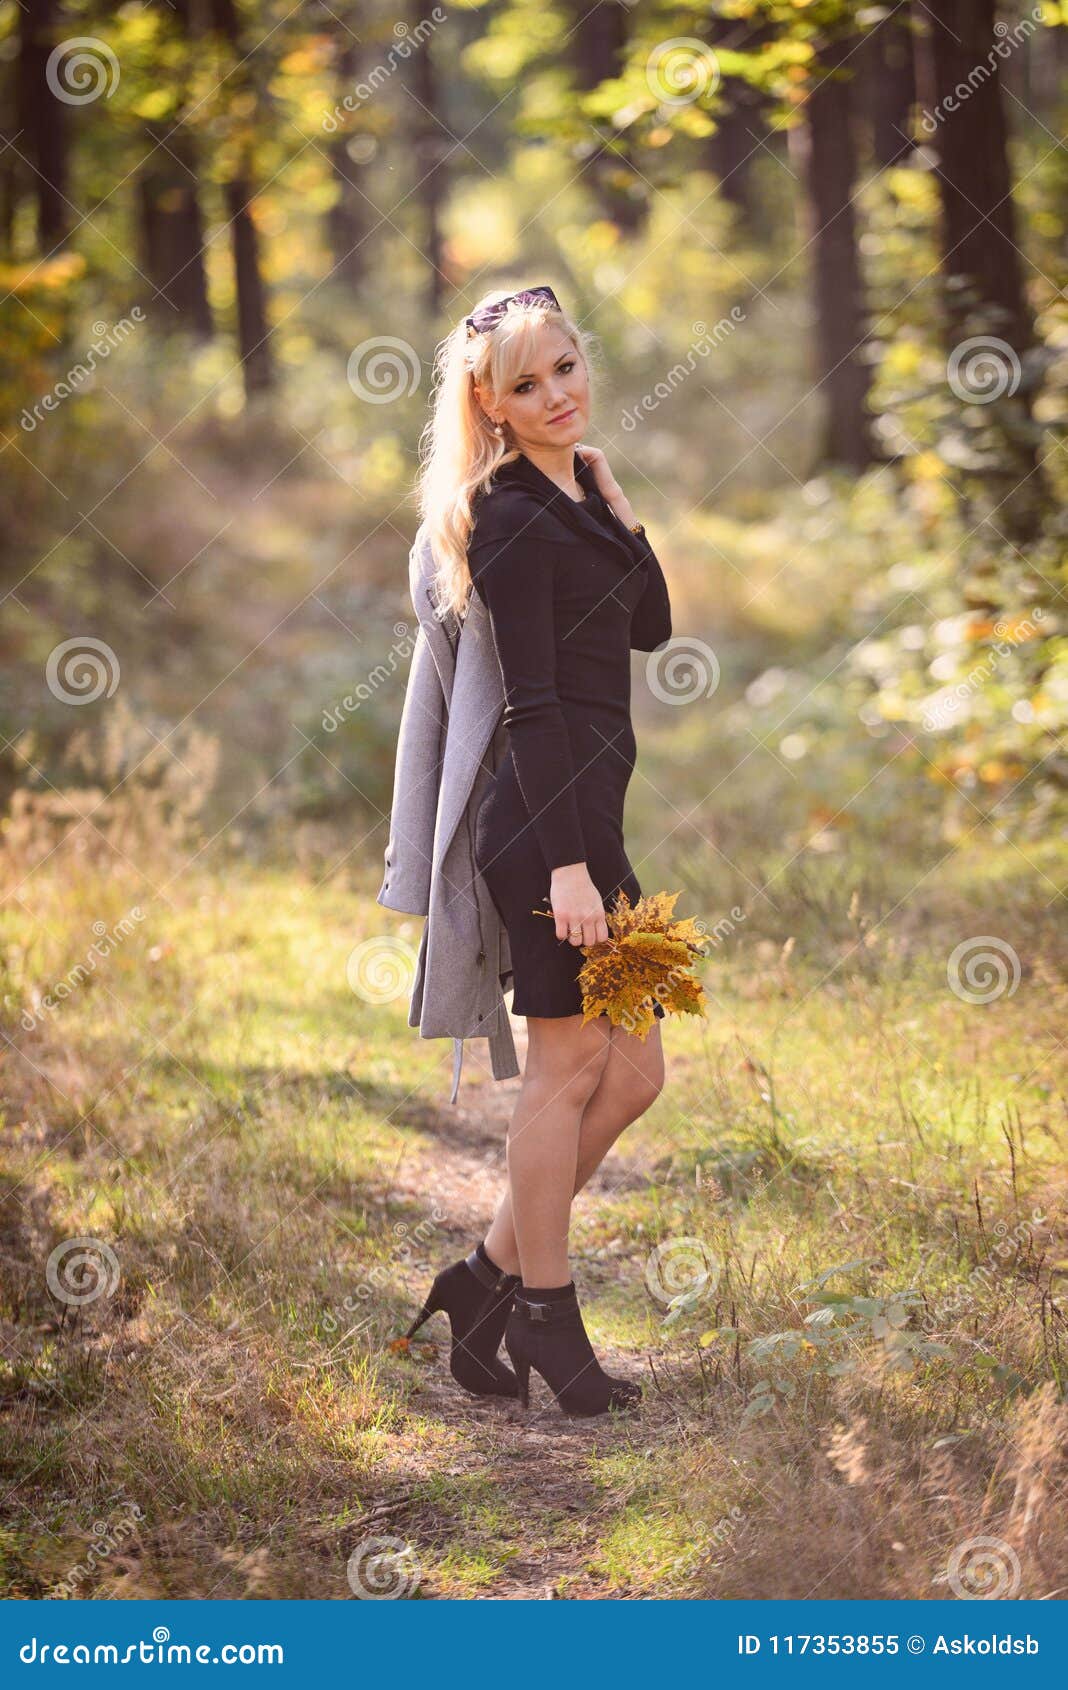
point(573, 512)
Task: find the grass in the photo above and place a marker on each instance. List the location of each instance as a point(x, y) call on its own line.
point(271, 1162)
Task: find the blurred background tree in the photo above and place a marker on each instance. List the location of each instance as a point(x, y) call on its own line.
point(821, 245)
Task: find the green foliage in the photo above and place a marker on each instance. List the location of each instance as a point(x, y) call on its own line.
point(910, 621)
point(840, 1333)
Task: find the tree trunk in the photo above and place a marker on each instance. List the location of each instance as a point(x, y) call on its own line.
point(597, 45)
point(1043, 73)
point(431, 145)
point(826, 148)
point(9, 176)
point(979, 236)
point(981, 265)
point(43, 120)
point(888, 79)
point(347, 221)
point(741, 129)
point(253, 327)
point(172, 234)
point(731, 150)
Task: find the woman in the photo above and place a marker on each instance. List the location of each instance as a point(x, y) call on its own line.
point(538, 526)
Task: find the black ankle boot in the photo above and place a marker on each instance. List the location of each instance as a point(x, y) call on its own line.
point(545, 1332)
point(477, 1297)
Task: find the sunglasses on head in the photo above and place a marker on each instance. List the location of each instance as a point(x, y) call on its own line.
point(490, 315)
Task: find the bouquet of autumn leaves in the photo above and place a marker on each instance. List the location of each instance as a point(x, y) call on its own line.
point(648, 959)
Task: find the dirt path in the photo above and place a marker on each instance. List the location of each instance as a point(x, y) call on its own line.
point(539, 1461)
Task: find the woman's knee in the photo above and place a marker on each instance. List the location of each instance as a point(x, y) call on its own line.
point(646, 1089)
point(643, 1078)
point(569, 1060)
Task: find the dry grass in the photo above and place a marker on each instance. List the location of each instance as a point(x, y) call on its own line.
point(869, 1511)
point(274, 1166)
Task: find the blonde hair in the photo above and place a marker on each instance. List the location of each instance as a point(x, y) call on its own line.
point(459, 449)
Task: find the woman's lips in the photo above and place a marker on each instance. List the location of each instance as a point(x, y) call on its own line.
point(567, 414)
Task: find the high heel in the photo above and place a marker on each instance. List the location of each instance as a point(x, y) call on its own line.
point(477, 1297)
point(522, 1374)
point(424, 1314)
point(548, 1335)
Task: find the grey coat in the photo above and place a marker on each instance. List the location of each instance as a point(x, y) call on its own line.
point(451, 740)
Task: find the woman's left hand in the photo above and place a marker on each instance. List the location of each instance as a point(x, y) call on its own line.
point(607, 485)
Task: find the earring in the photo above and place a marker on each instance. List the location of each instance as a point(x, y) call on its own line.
point(497, 429)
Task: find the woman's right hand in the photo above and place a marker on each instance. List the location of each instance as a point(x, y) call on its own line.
point(577, 905)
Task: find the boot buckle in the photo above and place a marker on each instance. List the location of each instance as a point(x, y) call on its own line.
point(537, 1311)
point(494, 1279)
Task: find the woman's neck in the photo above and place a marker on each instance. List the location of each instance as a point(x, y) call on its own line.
point(559, 466)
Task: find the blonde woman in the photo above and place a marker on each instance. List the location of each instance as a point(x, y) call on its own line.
point(520, 512)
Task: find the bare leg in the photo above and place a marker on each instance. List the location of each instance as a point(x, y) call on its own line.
point(629, 1077)
point(564, 1064)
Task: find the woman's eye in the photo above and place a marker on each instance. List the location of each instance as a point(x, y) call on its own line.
point(563, 369)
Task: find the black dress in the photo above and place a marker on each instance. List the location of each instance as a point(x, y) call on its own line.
point(569, 592)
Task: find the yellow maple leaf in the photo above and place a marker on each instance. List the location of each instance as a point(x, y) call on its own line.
point(648, 958)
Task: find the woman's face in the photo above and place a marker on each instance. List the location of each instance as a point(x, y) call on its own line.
point(548, 403)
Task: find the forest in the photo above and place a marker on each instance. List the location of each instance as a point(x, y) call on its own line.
point(821, 246)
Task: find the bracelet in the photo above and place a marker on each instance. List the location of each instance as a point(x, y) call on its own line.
point(631, 527)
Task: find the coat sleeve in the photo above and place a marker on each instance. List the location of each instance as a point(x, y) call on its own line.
point(515, 576)
point(416, 783)
point(651, 622)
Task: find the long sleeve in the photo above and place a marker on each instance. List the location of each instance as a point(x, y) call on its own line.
point(515, 577)
point(651, 622)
